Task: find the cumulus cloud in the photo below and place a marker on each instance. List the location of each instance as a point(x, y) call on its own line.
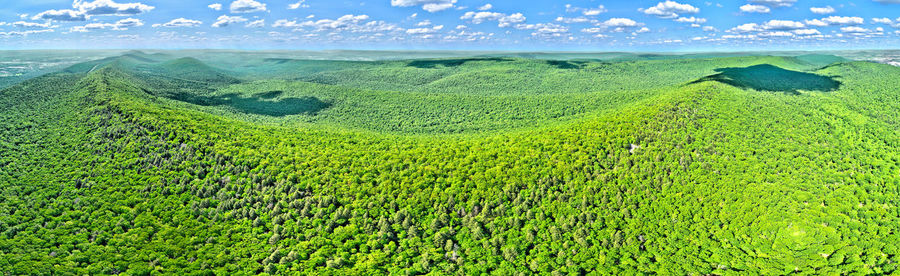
point(884, 20)
point(32, 25)
point(428, 5)
point(748, 8)
point(224, 21)
point(822, 10)
point(745, 28)
point(179, 22)
point(775, 3)
point(695, 20)
point(108, 7)
point(425, 30)
point(349, 23)
point(60, 15)
point(299, 4)
point(246, 6)
point(620, 22)
point(120, 25)
point(545, 30)
point(669, 9)
point(586, 11)
point(25, 33)
point(215, 6)
point(894, 23)
point(256, 24)
point(82, 10)
point(284, 23)
point(782, 25)
point(807, 32)
point(617, 25)
point(503, 20)
point(771, 25)
point(581, 19)
point(836, 20)
point(486, 7)
point(855, 29)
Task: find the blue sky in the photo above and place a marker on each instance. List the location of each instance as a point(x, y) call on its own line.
point(585, 25)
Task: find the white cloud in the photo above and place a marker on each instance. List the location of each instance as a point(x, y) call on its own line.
point(284, 23)
point(855, 29)
point(691, 19)
point(586, 11)
point(256, 24)
point(246, 6)
point(61, 15)
point(748, 8)
point(82, 10)
point(669, 9)
point(428, 5)
point(486, 7)
point(775, 3)
point(108, 7)
point(425, 30)
point(822, 10)
point(594, 11)
point(120, 25)
point(299, 4)
point(816, 22)
point(215, 6)
point(843, 20)
point(503, 20)
point(748, 27)
point(617, 25)
point(349, 23)
point(884, 20)
point(25, 33)
point(31, 25)
point(776, 25)
point(620, 22)
point(581, 19)
point(807, 32)
point(783, 25)
point(738, 36)
point(710, 29)
point(776, 34)
point(224, 21)
point(179, 22)
point(545, 30)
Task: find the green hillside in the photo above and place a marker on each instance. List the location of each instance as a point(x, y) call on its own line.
point(149, 165)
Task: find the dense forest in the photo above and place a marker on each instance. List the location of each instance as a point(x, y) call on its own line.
point(149, 164)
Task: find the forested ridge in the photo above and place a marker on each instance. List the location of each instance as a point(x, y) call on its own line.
point(120, 167)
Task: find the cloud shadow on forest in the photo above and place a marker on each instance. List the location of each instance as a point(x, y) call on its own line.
point(260, 103)
point(433, 63)
point(767, 77)
point(567, 64)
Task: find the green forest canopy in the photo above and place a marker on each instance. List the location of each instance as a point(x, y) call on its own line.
point(152, 164)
